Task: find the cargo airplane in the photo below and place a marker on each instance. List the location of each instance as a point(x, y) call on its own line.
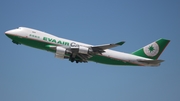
point(80, 52)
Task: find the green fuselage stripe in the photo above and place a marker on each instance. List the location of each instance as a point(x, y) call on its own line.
point(42, 44)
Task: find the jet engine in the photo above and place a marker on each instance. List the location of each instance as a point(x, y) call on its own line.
point(61, 52)
point(81, 50)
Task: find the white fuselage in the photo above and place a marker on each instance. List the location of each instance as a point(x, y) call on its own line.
point(48, 38)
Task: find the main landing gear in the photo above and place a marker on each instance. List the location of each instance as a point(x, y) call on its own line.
point(72, 59)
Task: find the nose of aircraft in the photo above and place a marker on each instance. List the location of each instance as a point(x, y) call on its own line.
point(11, 32)
point(8, 32)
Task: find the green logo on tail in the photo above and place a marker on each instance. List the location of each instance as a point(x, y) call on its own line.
point(151, 49)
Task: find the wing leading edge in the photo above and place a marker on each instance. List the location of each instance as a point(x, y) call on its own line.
point(107, 46)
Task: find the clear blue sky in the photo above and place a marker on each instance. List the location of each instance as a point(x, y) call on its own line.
point(28, 74)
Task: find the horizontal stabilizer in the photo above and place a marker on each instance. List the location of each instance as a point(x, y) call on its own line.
point(151, 61)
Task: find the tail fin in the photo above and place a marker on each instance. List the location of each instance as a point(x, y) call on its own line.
point(153, 50)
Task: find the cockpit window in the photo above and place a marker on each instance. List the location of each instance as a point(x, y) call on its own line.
point(20, 28)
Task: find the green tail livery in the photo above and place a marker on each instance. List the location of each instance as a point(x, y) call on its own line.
point(153, 50)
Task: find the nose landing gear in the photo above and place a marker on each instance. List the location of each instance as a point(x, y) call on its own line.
point(15, 42)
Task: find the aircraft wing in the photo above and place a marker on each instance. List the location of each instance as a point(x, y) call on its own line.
point(75, 54)
point(106, 46)
point(97, 49)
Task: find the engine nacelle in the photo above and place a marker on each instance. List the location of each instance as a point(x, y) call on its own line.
point(81, 49)
point(60, 52)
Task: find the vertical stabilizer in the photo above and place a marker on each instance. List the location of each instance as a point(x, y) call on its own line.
point(152, 50)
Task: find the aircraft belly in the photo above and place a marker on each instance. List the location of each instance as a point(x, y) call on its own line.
point(121, 58)
point(109, 61)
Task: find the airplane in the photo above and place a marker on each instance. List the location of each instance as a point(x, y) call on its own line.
point(81, 53)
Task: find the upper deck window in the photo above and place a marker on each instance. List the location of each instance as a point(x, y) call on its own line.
point(33, 32)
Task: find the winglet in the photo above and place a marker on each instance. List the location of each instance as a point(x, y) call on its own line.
point(120, 43)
